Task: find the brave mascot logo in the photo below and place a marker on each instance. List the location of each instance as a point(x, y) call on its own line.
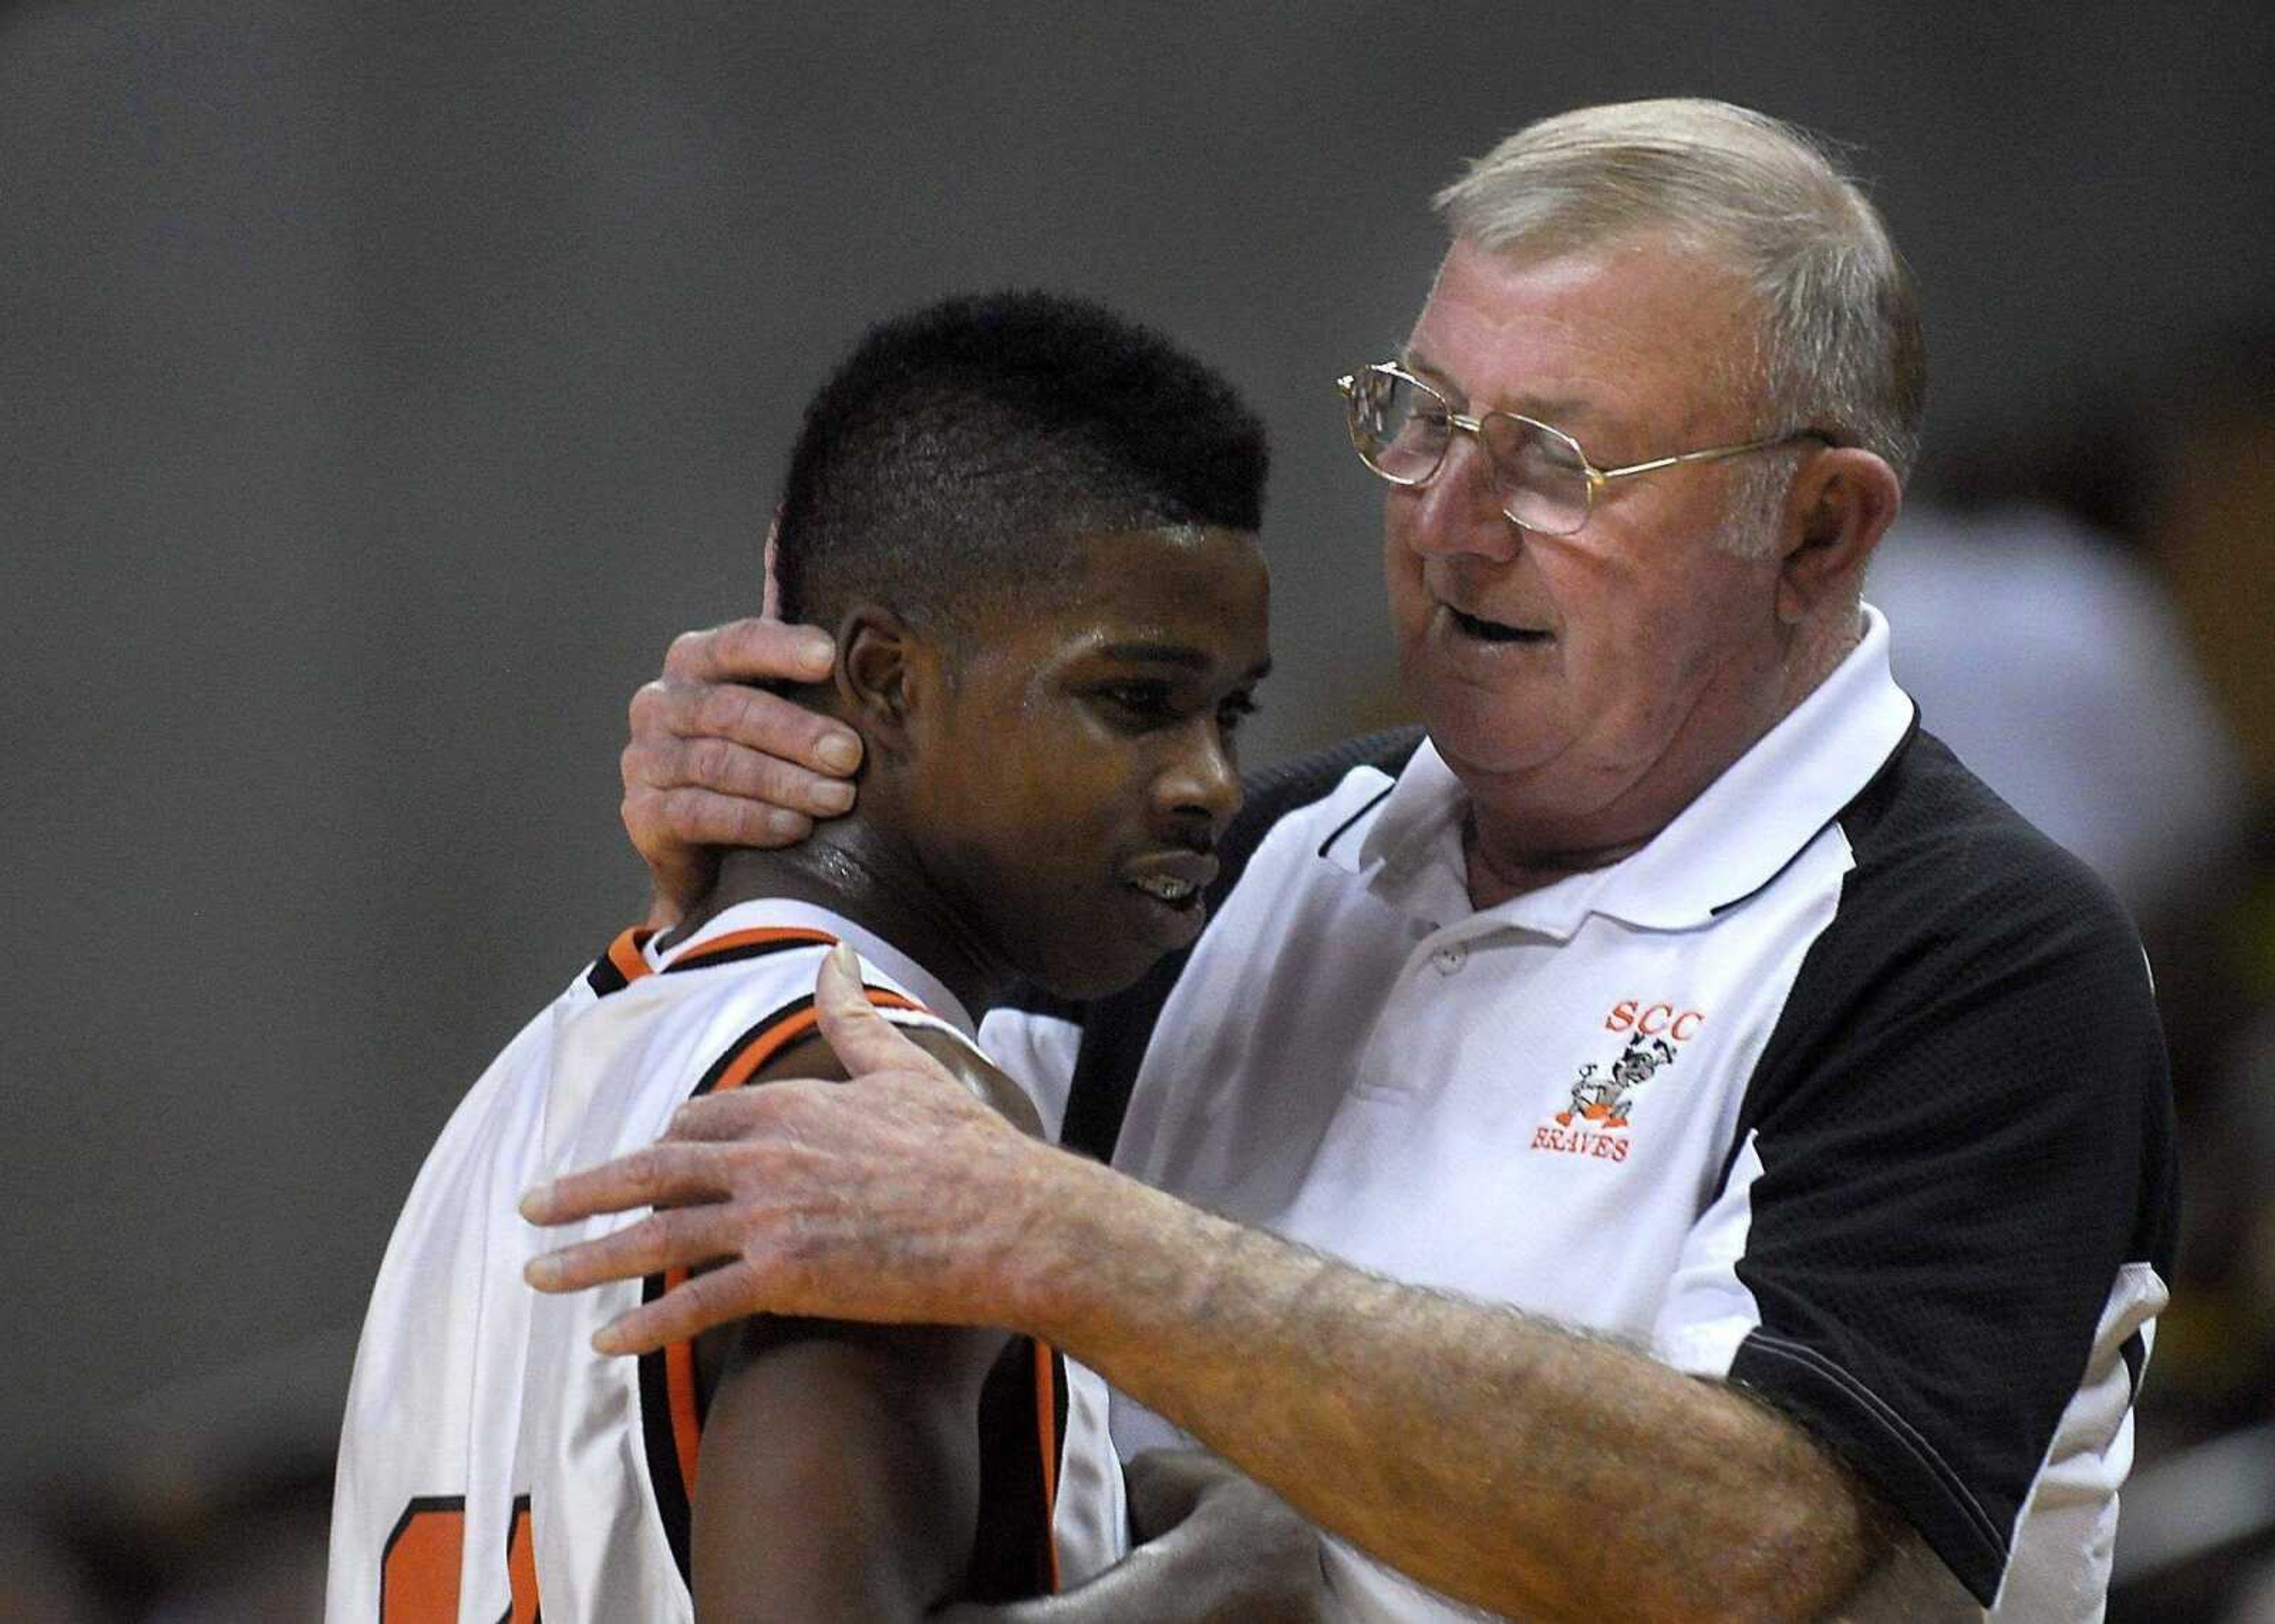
point(1604, 1100)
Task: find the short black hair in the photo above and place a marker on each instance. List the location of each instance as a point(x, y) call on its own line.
point(957, 450)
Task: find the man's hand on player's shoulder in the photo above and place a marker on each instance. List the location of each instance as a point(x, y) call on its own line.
point(897, 1196)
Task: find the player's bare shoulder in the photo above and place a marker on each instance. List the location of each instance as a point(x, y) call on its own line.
point(983, 1077)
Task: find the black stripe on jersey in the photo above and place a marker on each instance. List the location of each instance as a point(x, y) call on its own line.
point(2134, 1349)
point(735, 1050)
point(672, 1504)
point(700, 960)
point(1010, 1549)
point(604, 977)
point(1058, 1397)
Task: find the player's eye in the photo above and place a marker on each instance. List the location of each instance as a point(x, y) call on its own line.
point(1236, 709)
point(1137, 704)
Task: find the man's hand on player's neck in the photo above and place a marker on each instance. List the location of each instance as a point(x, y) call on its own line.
point(715, 762)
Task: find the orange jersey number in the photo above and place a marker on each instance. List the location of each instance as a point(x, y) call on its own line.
point(419, 1575)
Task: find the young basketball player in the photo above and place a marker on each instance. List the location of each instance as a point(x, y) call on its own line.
point(1031, 526)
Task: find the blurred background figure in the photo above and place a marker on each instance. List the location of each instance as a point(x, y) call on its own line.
point(2202, 1513)
point(39, 1579)
point(2085, 613)
point(207, 1501)
point(2050, 657)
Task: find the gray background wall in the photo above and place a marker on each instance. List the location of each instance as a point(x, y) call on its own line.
point(380, 386)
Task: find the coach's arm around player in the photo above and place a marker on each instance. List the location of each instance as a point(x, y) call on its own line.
point(790, 1210)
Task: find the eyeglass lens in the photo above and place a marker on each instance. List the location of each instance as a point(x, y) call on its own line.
point(1402, 431)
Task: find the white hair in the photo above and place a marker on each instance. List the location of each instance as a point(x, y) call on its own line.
point(1838, 330)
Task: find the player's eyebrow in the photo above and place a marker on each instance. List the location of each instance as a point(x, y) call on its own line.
point(1181, 654)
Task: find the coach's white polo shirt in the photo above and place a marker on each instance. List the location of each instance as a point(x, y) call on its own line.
point(1713, 1098)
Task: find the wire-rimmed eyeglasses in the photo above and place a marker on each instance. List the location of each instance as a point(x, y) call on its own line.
point(1401, 429)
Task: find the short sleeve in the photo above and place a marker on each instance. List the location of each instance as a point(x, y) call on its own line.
point(1942, 1233)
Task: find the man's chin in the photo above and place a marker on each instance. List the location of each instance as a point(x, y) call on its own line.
point(1474, 736)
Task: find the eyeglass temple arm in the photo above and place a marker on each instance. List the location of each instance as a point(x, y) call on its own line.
point(1712, 454)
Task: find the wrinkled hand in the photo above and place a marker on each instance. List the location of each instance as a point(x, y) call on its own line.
point(714, 763)
point(897, 1196)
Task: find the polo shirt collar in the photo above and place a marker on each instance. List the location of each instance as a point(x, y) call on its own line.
point(1725, 845)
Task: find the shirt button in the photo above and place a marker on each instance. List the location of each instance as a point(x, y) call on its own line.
point(1450, 958)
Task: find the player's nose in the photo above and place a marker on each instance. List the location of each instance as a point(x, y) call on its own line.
point(1200, 782)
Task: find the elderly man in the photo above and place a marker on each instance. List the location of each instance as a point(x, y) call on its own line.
point(1671, 1146)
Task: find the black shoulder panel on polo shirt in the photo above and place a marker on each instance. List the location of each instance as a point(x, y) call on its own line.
point(1116, 1030)
point(1964, 1125)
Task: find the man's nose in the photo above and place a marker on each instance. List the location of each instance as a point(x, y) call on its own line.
point(1459, 511)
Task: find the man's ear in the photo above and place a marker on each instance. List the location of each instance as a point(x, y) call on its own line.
point(884, 672)
point(1840, 505)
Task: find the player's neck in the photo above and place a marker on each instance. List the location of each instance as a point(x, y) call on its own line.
point(852, 869)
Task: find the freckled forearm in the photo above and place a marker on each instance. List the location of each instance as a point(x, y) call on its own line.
point(1495, 1457)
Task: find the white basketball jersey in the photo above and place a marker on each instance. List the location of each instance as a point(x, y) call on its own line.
point(489, 1457)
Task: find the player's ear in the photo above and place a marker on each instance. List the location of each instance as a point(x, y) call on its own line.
point(1841, 503)
point(884, 668)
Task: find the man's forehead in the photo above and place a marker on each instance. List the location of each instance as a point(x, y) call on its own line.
point(1606, 331)
point(1446, 377)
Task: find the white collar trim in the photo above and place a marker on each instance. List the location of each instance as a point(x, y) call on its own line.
point(1726, 844)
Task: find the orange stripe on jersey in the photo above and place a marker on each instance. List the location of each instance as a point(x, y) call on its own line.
point(759, 1047)
point(734, 941)
point(625, 953)
point(1046, 1429)
point(621, 964)
point(521, 1567)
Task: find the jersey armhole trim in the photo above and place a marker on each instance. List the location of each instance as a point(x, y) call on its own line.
point(737, 945)
point(1049, 1432)
point(666, 1378)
